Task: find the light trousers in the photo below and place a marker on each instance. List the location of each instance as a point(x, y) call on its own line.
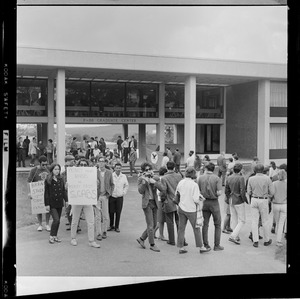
point(89, 217)
point(101, 215)
point(280, 213)
point(238, 218)
point(259, 207)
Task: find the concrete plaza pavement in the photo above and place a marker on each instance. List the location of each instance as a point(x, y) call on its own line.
point(121, 256)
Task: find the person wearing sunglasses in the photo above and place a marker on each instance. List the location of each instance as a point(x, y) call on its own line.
point(40, 173)
point(148, 183)
point(89, 215)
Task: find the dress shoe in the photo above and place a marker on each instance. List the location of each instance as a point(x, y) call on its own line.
point(111, 228)
point(181, 251)
point(205, 249)
point(141, 242)
point(99, 238)
point(185, 244)
point(104, 235)
point(171, 243)
point(255, 244)
point(268, 243)
point(218, 248)
point(162, 238)
point(225, 231)
point(154, 248)
point(74, 242)
point(234, 240)
point(117, 230)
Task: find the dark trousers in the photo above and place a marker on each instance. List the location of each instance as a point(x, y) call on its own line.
point(170, 225)
point(211, 207)
point(151, 220)
point(50, 158)
point(126, 152)
point(21, 157)
point(55, 213)
point(222, 173)
point(115, 206)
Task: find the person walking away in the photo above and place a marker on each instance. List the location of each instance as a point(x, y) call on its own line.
point(260, 189)
point(105, 188)
point(177, 160)
point(50, 151)
point(221, 162)
point(190, 160)
point(27, 142)
point(33, 150)
point(133, 143)
point(279, 201)
point(169, 183)
point(190, 197)
point(125, 146)
point(55, 198)
point(41, 149)
point(119, 145)
point(39, 173)
point(165, 160)
point(132, 160)
point(147, 187)
point(161, 217)
point(235, 192)
point(197, 165)
point(116, 199)
point(89, 216)
point(21, 148)
point(210, 186)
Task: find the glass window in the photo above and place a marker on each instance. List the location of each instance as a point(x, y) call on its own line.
point(278, 96)
point(77, 98)
point(31, 97)
point(107, 99)
point(141, 100)
point(278, 136)
point(174, 101)
point(209, 102)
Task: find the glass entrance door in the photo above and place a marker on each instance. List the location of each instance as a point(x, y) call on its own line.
point(211, 138)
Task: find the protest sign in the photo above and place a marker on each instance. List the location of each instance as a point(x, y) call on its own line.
point(82, 185)
point(37, 193)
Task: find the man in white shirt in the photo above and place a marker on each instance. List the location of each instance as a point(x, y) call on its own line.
point(116, 199)
point(190, 160)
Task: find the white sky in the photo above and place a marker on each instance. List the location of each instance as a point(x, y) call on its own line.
point(253, 33)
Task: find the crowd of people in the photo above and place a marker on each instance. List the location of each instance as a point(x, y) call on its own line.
point(169, 197)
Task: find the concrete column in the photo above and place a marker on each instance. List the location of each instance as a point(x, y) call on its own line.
point(263, 121)
point(50, 106)
point(142, 141)
point(160, 127)
point(175, 134)
point(189, 115)
point(125, 131)
point(179, 134)
point(223, 126)
point(60, 116)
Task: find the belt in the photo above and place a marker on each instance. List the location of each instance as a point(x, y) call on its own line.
point(210, 198)
point(260, 197)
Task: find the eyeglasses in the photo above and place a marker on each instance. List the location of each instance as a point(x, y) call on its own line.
point(44, 164)
point(147, 169)
point(83, 164)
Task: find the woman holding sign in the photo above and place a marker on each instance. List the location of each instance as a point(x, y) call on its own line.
point(55, 196)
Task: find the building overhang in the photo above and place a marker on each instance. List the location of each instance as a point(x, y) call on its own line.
point(99, 66)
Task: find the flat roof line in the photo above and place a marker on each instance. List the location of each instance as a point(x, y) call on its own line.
point(148, 55)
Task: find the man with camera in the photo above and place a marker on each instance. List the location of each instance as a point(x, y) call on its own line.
point(148, 183)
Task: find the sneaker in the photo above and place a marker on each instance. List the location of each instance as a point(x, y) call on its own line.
point(51, 240)
point(205, 249)
point(181, 251)
point(74, 242)
point(94, 244)
point(104, 235)
point(56, 239)
point(48, 228)
point(234, 240)
point(255, 244)
point(154, 248)
point(218, 248)
point(99, 238)
point(268, 243)
point(40, 228)
point(141, 242)
point(273, 230)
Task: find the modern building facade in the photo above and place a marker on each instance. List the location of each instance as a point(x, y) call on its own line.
point(210, 105)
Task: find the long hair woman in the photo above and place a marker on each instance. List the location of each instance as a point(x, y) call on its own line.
point(55, 198)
